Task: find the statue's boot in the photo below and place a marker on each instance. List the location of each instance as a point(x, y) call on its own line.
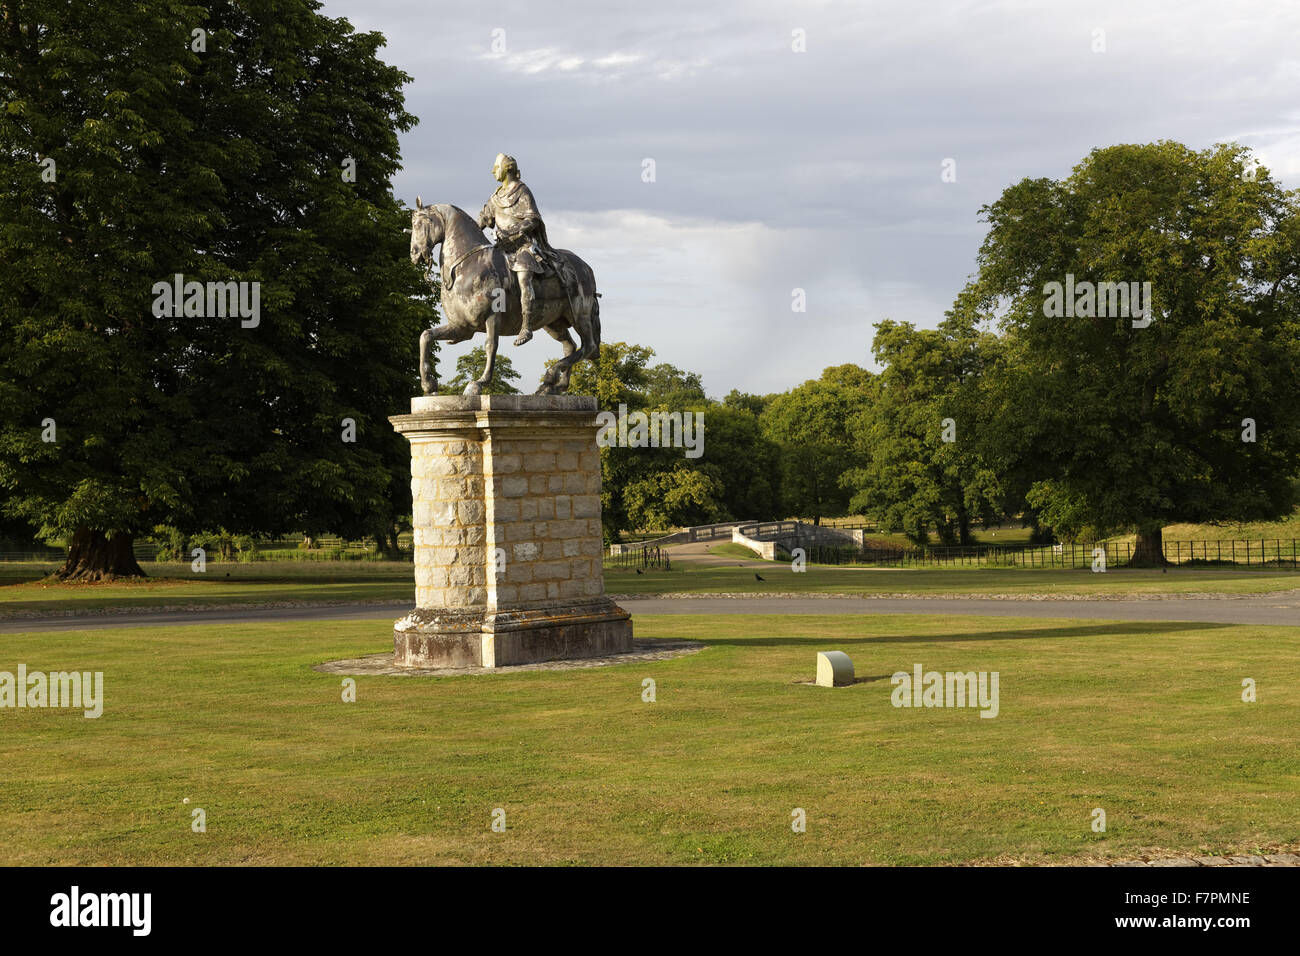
point(527, 300)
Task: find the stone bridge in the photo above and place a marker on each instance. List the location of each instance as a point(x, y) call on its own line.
point(762, 537)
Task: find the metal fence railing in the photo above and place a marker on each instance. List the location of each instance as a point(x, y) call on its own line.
point(1257, 553)
point(655, 557)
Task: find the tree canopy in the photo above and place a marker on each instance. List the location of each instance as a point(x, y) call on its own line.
point(811, 427)
point(1129, 422)
point(470, 366)
point(922, 467)
point(227, 143)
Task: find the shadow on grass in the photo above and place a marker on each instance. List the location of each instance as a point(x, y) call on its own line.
point(1118, 629)
point(873, 679)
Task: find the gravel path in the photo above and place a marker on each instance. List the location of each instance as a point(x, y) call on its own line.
point(1268, 859)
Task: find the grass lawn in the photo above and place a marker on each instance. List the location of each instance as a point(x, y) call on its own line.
point(22, 588)
point(779, 577)
point(1143, 720)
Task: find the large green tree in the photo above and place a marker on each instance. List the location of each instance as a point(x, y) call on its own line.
point(1131, 421)
point(617, 377)
point(225, 142)
point(922, 468)
point(661, 487)
point(810, 425)
point(745, 464)
point(469, 367)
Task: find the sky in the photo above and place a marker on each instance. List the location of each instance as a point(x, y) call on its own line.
point(803, 145)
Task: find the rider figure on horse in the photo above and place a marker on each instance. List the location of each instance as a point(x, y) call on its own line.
point(521, 235)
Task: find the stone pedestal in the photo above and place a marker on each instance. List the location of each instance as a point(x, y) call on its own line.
point(508, 545)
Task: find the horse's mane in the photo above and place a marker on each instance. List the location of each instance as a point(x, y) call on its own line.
point(449, 214)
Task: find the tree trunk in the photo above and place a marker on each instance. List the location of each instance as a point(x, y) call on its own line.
point(92, 556)
point(1149, 552)
point(386, 543)
point(1039, 533)
point(919, 535)
point(964, 537)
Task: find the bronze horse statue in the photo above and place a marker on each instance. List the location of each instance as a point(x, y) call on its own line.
point(480, 293)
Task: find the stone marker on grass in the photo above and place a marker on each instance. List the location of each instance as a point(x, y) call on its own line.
point(834, 669)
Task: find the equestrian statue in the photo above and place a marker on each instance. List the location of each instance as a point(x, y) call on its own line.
point(519, 284)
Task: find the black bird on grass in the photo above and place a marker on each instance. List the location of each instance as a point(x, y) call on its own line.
point(638, 570)
point(758, 577)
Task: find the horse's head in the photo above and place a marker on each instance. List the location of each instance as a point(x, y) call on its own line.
point(426, 232)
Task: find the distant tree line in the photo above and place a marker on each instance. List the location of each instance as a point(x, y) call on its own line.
point(1104, 421)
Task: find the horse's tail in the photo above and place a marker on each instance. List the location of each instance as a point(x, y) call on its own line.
point(595, 323)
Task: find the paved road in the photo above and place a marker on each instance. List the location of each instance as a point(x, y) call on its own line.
point(227, 615)
point(1257, 609)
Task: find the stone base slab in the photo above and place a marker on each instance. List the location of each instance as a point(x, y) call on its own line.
point(644, 650)
point(477, 637)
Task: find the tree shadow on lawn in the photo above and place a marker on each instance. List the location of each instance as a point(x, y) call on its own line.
point(1117, 629)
